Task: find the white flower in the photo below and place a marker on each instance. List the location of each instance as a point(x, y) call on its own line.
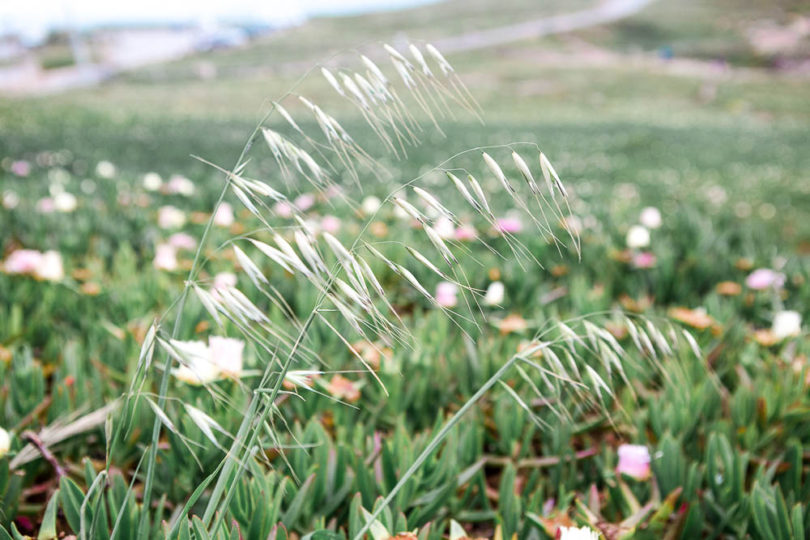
point(495, 294)
point(50, 267)
point(370, 205)
point(10, 200)
point(446, 294)
point(650, 217)
point(165, 257)
point(638, 237)
point(786, 324)
point(224, 280)
point(226, 354)
point(181, 185)
point(65, 202)
point(170, 217)
point(204, 364)
point(105, 169)
point(152, 181)
point(224, 215)
point(5, 442)
point(444, 228)
point(578, 533)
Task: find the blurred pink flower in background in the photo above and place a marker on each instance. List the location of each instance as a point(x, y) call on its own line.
point(446, 294)
point(634, 461)
point(224, 280)
point(224, 215)
point(22, 261)
point(509, 225)
point(330, 224)
point(283, 209)
point(182, 240)
point(21, 168)
point(304, 202)
point(165, 257)
point(46, 205)
point(466, 232)
point(765, 278)
point(644, 259)
point(650, 217)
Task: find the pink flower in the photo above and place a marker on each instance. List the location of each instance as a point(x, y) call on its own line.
point(283, 209)
point(182, 240)
point(644, 259)
point(330, 224)
point(180, 184)
point(304, 202)
point(466, 232)
point(46, 205)
point(509, 225)
point(446, 294)
point(165, 257)
point(224, 280)
point(224, 215)
point(21, 168)
point(634, 461)
point(23, 261)
point(765, 278)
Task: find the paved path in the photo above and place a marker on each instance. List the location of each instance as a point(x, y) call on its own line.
point(607, 11)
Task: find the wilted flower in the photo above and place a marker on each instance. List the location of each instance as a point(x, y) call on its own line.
point(697, 318)
point(634, 461)
point(152, 181)
point(650, 217)
point(577, 533)
point(340, 387)
point(512, 323)
point(446, 294)
point(105, 169)
point(786, 324)
point(165, 257)
point(509, 225)
point(728, 288)
point(224, 215)
point(180, 185)
point(765, 278)
point(65, 202)
point(370, 205)
point(466, 232)
point(330, 224)
point(495, 293)
point(5, 442)
point(170, 217)
point(644, 259)
point(638, 237)
point(182, 240)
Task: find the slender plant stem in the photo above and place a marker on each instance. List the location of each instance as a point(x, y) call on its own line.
point(435, 442)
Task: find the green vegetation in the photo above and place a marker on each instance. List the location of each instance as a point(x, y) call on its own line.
point(721, 153)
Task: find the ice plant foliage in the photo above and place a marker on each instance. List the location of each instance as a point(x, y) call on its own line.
point(356, 284)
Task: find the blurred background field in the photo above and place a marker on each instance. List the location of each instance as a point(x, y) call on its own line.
point(699, 109)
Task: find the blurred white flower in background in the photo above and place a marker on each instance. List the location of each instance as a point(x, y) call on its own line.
point(5, 442)
point(638, 237)
point(578, 533)
point(786, 324)
point(152, 181)
point(204, 364)
point(650, 217)
point(182, 240)
point(105, 169)
point(370, 205)
point(10, 199)
point(165, 257)
point(446, 294)
point(495, 294)
point(65, 202)
point(180, 185)
point(170, 217)
point(50, 267)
